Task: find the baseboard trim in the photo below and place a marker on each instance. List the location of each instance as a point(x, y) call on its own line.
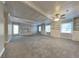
point(2, 52)
point(8, 41)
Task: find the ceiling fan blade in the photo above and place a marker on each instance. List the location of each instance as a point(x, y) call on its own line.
point(62, 15)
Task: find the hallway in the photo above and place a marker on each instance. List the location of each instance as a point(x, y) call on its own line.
point(41, 46)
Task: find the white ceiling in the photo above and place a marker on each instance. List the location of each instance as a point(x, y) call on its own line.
point(52, 7)
point(21, 10)
point(42, 9)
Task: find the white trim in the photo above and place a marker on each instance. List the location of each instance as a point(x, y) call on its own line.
point(2, 52)
point(8, 41)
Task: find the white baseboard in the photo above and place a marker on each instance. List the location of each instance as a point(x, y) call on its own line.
point(2, 52)
point(8, 41)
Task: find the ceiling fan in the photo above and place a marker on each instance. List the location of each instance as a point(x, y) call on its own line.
point(58, 16)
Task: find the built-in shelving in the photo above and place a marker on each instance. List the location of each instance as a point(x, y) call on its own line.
point(76, 24)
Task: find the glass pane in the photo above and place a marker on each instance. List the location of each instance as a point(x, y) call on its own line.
point(15, 29)
point(66, 28)
point(39, 28)
point(47, 28)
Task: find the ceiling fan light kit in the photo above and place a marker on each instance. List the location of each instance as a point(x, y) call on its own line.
point(56, 19)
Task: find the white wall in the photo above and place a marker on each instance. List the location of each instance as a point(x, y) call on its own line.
point(1, 29)
point(26, 27)
point(75, 36)
point(9, 32)
point(56, 30)
point(34, 29)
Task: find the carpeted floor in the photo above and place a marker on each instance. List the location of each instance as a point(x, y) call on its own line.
point(41, 47)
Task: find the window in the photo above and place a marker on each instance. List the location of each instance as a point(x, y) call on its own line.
point(47, 28)
point(66, 27)
point(39, 28)
point(15, 29)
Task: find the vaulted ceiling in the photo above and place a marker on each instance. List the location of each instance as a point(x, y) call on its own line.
point(70, 8)
point(42, 10)
point(21, 10)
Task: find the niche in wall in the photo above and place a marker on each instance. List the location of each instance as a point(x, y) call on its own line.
point(75, 36)
point(76, 24)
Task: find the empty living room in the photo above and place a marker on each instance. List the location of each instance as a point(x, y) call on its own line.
point(39, 29)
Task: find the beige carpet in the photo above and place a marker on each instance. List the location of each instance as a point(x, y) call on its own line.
point(40, 47)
